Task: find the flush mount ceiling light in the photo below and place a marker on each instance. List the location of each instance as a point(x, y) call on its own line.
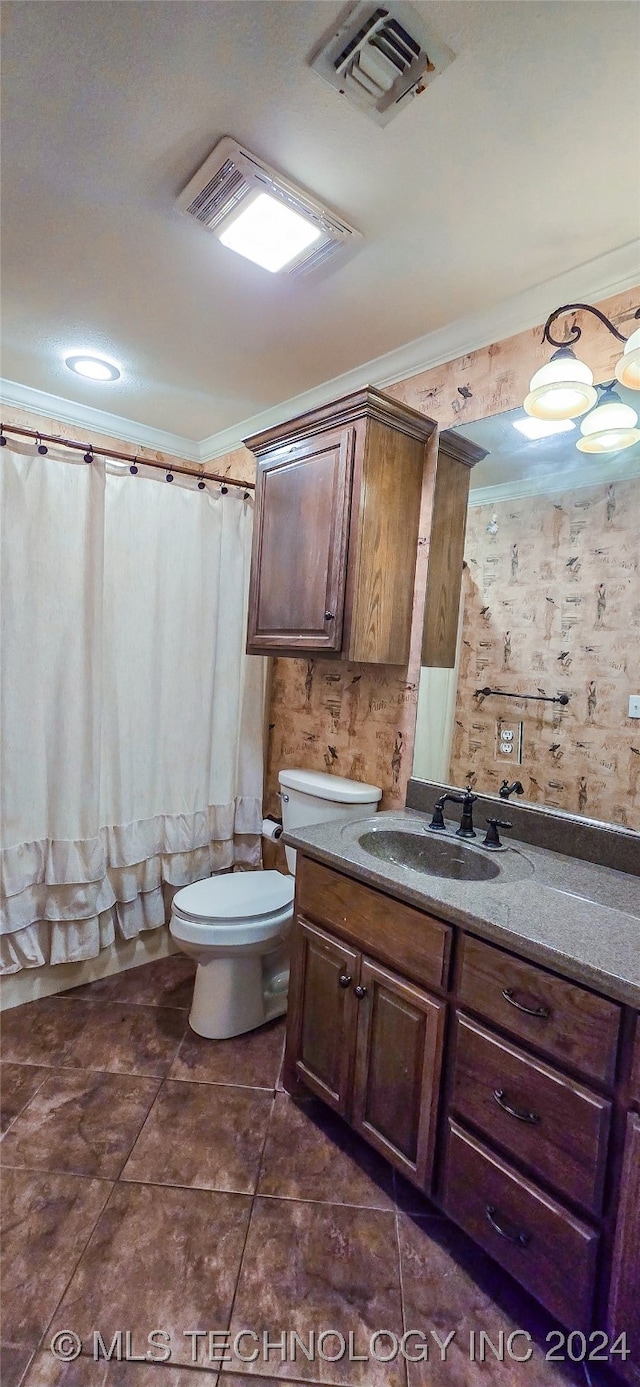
point(380, 57)
point(542, 428)
point(609, 428)
point(564, 389)
point(255, 211)
point(92, 367)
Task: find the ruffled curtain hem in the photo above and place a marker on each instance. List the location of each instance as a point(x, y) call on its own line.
point(49, 922)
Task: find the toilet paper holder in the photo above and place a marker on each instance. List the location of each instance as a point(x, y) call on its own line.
point(271, 827)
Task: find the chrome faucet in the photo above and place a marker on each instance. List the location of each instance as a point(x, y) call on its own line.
point(467, 800)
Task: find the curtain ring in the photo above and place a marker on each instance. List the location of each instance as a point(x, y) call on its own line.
point(169, 477)
point(133, 468)
point(223, 489)
point(42, 449)
point(3, 441)
point(88, 457)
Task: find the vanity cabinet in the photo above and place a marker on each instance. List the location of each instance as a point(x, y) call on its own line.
point(338, 494)
point(369, 1043)
point(502, 1089)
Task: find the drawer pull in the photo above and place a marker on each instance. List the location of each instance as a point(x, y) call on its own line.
point(540, 1011)
point(345, 980)
point(360, 991)
point(521, 1113)
point(522, 1239)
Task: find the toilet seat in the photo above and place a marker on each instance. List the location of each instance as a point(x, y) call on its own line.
point(236, 909)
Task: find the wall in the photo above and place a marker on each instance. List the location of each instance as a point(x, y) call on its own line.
point(360, 720)
point(553, 604)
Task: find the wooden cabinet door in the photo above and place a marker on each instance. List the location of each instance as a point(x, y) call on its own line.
point(327, 972)
point(624, 1299)
point(397, 1075)
point(299, 557)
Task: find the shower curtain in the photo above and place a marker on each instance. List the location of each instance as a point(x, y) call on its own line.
point(131, 720)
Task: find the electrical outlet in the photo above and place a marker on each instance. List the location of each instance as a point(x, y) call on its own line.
point(634, 705)
point(509, 741)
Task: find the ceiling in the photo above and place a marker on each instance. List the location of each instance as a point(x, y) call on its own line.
point(515, 166)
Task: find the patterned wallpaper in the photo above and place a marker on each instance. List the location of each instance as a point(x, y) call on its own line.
point(319, 717)
point(552, 605)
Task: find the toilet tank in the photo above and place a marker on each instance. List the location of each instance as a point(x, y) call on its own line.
point(313, 797)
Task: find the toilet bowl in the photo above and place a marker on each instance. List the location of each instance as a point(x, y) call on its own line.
point(236, 926)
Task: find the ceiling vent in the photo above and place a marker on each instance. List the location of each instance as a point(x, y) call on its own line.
point(380, 58)
point(232, 179)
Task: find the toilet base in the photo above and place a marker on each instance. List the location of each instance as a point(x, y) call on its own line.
point(237, 994)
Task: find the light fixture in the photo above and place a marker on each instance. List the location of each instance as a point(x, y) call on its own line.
point(269, 233)
point(563, 389)
point(628, 367)
point(609, 428)
point(262, 215)
point(92, 367)
point(542, 428)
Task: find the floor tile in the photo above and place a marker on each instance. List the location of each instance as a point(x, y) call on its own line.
point(83, 1123)
point(46, 1222)
point(253, 1059)
point(412, 1201)
point(47, 1371)
point(208, 1136)
point(18, 1083)
point(40, 1032)
point(320, 1267)
point(311, 1154)
point(451, 1287)
point(167, 982)
point(126, 1039)
point(159, 1257)
point(13, 1364)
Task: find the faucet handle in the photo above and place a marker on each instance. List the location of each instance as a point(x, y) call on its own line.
point(437, 817)
point(492, 837)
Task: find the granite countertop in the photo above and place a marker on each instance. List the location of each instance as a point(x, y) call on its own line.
point(571, 915)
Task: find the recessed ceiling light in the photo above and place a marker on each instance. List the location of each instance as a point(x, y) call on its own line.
point(92, 367)
point(269, 233)
point(542, 428)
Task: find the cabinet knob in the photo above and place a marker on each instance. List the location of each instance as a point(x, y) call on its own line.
point(345, 980)
point(360, 991)
point(329, 616)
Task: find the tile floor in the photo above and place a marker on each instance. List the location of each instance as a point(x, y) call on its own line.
point(154, 1180)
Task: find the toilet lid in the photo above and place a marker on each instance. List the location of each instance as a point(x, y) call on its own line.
point(236, 896)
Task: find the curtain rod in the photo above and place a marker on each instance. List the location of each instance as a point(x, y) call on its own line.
point(128, 457)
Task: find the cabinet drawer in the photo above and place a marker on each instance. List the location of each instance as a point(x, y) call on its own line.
point(408, 939)
point(561, 1018)
point(557, 1127)
point(546, 1248)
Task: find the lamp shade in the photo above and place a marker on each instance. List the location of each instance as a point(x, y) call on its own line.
point(628, 368)
point(562, 389)
point(609, 428)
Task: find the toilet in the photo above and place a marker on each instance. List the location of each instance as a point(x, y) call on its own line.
point(236, 926)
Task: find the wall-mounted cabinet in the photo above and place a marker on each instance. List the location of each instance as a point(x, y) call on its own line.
point(456, 457)
point(336, 531)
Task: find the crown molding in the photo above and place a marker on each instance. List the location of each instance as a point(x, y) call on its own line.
point(97, 420)
point(552, 483)
point(613, 273)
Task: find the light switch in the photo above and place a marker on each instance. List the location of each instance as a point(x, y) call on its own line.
point(634, 705)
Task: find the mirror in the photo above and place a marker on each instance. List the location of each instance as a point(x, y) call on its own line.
point(550, 610)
